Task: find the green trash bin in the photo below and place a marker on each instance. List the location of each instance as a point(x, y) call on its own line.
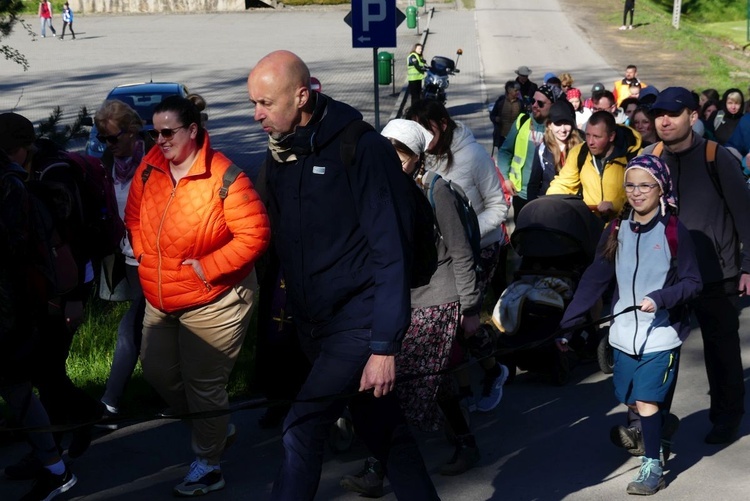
point(420, 3)
point(411, 17)
point(384, 68)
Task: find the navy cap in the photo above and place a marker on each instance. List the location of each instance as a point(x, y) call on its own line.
point(675, 99)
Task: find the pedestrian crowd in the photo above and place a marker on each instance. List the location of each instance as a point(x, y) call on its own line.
point(386, 302)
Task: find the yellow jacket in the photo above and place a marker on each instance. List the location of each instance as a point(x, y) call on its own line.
point(596, 187)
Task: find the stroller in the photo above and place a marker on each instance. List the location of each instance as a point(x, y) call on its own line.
point(556, 237)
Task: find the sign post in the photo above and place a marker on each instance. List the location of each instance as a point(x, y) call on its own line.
point(676, 14)
point(374, 25)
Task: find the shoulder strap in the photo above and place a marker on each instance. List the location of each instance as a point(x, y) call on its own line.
point(522, 119)
point(711, 147)
point(146, 173)
point(231, 174)
point(582, 154)
point(671, 233)
point(658, 148)
point(349, 139)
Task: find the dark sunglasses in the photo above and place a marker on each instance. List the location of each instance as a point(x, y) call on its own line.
point(541, 104)
point(109, 139)
point(165, 133)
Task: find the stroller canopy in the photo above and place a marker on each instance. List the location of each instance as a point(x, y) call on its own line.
point(556, 225)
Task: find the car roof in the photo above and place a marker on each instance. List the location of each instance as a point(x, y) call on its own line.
point(156, 87)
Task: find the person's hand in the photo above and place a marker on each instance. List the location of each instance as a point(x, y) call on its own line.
point(470, 324)
point(379, 374)
point(562, 344)
point(196, 266)
point(744, 286)
point(508, 185)
point(604, 207)
point(648, 305)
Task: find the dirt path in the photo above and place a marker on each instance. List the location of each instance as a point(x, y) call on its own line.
point(658, 63)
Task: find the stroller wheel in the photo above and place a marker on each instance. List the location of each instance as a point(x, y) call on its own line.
point(605, 355)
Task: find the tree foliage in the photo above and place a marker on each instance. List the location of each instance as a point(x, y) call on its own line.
point(709, 10)
point(62, 134)
point(9, 12)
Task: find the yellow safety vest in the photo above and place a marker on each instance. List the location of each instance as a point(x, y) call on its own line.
point(412, 73)
point(520, 149)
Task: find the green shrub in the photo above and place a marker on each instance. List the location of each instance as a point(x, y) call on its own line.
point(708, 10)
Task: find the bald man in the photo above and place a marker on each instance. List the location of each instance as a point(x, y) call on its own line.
point(341, 235)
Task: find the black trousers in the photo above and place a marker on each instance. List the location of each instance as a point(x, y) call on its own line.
point(415, 90)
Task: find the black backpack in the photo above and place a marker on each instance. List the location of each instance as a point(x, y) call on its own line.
point(467, 214)
point(54, 271)
point(423, 238)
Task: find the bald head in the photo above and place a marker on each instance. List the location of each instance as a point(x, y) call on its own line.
point(279, 86)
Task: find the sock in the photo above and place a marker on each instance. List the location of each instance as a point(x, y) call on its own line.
point(56, 468)
point(651, 427)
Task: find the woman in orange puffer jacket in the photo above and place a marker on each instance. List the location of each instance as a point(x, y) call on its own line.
point(196, 243)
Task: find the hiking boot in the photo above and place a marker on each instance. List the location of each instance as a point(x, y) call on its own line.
point(671, 424)
point(202, 479)
point(368, 482)
point(492, 391)
point(27, 468)
point(722, 434)
point(650, 479)
point(48, 485)
point(629, 438)
point(464, 458)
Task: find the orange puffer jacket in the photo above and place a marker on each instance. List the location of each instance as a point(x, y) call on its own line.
point(170, 223)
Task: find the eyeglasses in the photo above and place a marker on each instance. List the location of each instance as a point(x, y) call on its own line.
point(165, 133)
point(109, 139)
point(644, 188)
point(539, 103)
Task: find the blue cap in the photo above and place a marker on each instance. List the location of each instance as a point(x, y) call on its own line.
point(548, 75)
point(675, 99)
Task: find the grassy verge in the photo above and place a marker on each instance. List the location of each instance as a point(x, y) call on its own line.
point(704, 46)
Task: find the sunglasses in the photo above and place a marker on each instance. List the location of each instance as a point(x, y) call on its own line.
point(109, 139)
point(165, 133)
point(541, 104)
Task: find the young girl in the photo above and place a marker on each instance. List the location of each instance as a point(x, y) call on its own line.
point(638, 252)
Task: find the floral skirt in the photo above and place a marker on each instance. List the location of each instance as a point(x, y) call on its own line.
point(426, 348)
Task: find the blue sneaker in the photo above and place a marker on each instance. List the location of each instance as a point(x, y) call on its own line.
point(650, 479)
point(492, 391)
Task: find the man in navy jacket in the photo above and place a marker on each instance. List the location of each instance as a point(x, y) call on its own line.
point(341, 233)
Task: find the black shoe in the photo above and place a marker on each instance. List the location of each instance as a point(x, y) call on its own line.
point(368, 482)
point(80, 441)
point(49, 485)
point(27, 468)
point(629, 438)
point(722, 434)
point(464, 458)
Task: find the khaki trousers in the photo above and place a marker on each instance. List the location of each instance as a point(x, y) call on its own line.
point(188, 356)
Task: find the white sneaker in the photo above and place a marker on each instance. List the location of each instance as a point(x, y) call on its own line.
point(493, 391)
point(623, 27)
point(202, 479)
point(630, 27)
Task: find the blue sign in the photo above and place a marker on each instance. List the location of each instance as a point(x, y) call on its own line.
point(373, 23)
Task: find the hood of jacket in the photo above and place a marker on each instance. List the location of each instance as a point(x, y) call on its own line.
point(328, 119)
point(627, 142)
point(739, 114)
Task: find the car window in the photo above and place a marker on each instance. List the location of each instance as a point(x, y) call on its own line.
point(143, 104)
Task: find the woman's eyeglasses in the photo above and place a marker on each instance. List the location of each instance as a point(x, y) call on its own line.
point(165, 133)
point(644, 188)
point(109, 139)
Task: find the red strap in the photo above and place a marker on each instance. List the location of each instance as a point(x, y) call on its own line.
point(671, 233)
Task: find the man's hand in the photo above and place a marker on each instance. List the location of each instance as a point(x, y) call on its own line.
point(744, 286)
point(380, 374)
point(605, 207)
point(508, 185)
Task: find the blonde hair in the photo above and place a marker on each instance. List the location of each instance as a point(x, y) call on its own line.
point(566, 80)
point(550, 142)
point(114, 110)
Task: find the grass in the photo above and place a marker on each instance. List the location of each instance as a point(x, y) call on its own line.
point(701, 45)
point(734, 31)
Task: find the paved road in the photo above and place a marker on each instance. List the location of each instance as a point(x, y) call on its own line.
point(543, 442)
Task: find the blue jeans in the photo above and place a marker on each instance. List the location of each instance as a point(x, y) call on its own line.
point(337, 363)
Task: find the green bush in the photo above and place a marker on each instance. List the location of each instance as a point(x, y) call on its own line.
point(709, 11)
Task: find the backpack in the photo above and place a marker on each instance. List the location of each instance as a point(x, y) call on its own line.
point(670, 232)
point(230, 175)
point(54, 271)
point(93, 218)
point(584, 152)
point(466, 213)
point(424, 263)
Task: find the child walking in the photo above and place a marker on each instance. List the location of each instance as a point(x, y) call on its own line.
point(650, 255)
point(67, 16)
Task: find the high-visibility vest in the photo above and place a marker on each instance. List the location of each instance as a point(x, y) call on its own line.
point(520, 150)
point(412, 72)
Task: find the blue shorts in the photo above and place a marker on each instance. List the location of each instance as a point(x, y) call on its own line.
point(647, 378)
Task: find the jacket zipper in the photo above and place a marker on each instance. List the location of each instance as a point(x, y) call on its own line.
point(158, 245)
point(635, 274)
